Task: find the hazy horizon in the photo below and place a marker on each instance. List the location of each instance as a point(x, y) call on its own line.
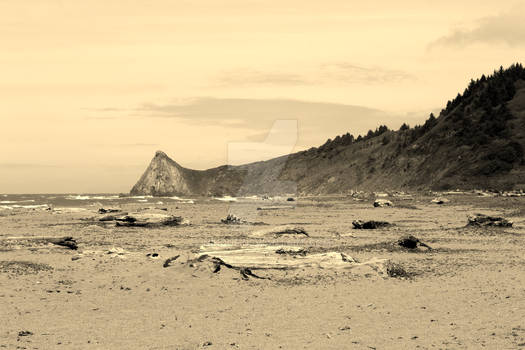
point(92, 90)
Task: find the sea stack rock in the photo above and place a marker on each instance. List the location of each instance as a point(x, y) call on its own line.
point(163, 177)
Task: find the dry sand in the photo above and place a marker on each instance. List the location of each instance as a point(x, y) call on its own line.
point(466, 293)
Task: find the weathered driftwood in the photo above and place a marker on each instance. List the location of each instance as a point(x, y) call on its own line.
point(68, 242)
point(232, 219)
point(279, 231)
point(481, 220)
point(411, 242)
point(440, 200)
point(260, 257)
point(383, 203)
point(369, 225)
point(168, 261)
point(292, 251)
point(148, 220)
point(112, 217)
point(108, 210)
point(276, 207)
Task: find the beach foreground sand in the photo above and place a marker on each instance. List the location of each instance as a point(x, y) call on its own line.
point(467, 292)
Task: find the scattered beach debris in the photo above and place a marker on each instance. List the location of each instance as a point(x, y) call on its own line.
point(482, 220)
point(232, 219)
point(276, 207)
point(292, 251)
point(249, 258)
point(402, 195)
point(411, 242)
point(513, 194)
point(370, 225)
point(440, 200)
point(454, 193)
point(149, 220)
point(117, 252)
point(112, 217)
point(108, 210)
point(24, 333)
point(397, 270)
point(381, 194)
point(68, 242)
point(168, 261)
point(383, 203)
point(484, 194)
point(280, 230)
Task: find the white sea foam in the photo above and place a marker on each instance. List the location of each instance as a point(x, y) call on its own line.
point(12, 202)
point(226, 199)
point(182, 200)
point(85, 198)
point(17, 206)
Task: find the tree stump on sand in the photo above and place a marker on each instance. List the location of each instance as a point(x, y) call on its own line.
point(411, 242)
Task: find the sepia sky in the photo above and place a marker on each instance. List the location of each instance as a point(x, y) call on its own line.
point(91, 89)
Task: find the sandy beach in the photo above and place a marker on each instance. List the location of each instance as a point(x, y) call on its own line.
point(467, 292)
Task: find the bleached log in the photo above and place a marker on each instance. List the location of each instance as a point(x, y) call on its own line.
point(279, 231)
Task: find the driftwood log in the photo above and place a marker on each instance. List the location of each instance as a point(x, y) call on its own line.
point(109, 210)
point(246, 259)
point(276, 207)
point(148, 220)
point(369, 225)
point(440, 200)
point(67, 241)
point(481, 220)
point(383, 203)
point(279, 231)
point(262, 257)
point(232, 219)
point(411, 242)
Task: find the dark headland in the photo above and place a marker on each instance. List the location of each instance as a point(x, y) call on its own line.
point(477, 141)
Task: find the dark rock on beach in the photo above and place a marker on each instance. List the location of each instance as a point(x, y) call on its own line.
point(370, 225)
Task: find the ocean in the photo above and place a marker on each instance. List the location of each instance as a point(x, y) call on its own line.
point(44, 201)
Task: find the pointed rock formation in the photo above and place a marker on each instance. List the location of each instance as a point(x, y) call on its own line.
point(162, 177)
point(165, 177)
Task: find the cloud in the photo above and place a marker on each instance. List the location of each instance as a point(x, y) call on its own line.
point(316, 120)
point(325, 74)
point(237, 112)
point(505, 28)
point(355, 74)
point(242, 77)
